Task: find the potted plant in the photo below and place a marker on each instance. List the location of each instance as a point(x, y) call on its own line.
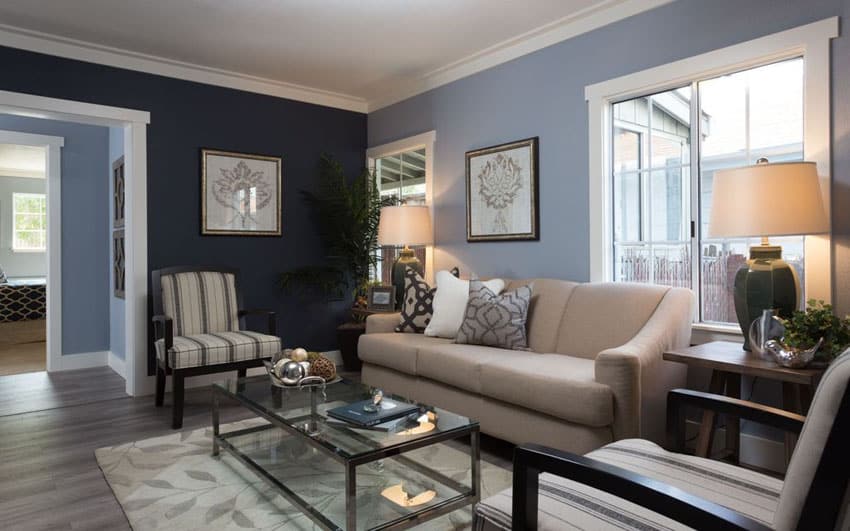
point(347, 213)
point(805, 329)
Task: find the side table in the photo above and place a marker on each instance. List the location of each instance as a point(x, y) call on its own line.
point(348, 335)
point(728, 361)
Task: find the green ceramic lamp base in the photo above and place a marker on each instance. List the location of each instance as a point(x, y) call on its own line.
point(767, 282)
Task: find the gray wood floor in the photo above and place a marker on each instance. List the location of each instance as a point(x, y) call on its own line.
point(50, 426)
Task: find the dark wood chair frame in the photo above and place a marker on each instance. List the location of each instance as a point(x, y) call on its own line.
point(163, 328)
point(820, 510)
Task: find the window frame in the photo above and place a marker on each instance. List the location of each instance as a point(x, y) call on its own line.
point(426, 141)
point(811, 42)
point(15, 212)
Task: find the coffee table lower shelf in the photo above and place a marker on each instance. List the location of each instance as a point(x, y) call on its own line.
point(305, 474)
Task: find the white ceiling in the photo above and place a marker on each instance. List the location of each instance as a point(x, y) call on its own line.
point(22, 161)
point(359, 48)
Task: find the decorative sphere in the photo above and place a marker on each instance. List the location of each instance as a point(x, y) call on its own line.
point(298, 354)
point(323, 367)
point(277, 368)
point(292, 372)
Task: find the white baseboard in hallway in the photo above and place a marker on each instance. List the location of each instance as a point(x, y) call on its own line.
point(117, 364)
point(84, 360)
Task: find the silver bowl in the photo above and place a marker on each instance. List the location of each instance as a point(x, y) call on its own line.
point(792, 358)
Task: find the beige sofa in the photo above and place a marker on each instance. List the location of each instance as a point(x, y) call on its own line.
point(594, 375)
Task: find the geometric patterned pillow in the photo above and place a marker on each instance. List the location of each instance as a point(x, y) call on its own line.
point(495, 320)
point(417, 305)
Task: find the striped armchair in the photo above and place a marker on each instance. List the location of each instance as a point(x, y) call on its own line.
point(196, 326)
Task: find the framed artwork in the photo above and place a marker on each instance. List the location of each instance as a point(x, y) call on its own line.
point(502, 200)
point(240, 194)
point(381, 299)
point(118, 192)
point(118, 263)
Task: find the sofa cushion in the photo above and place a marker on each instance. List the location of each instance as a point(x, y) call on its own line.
point(460, 365)
point(605, 315)
point(546, 310)
point(566, 504)
point(394, 351)
point(558, 385)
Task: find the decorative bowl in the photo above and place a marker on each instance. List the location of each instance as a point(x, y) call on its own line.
point(790, 357)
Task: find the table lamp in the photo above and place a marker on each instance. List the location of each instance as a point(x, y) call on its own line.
point(405, 225)
point(767, 199)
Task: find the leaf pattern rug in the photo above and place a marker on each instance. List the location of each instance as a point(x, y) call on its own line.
point(173, 482)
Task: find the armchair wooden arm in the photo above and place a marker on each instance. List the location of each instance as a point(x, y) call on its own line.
point(163, 328)
point(272, 318)
point(677, 399)
point(532, 459)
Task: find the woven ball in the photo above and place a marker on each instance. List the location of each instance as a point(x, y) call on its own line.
point(323, 367)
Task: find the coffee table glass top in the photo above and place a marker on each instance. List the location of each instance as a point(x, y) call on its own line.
point(292, 407)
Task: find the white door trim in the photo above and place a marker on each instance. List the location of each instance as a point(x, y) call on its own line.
point(52, 147)
point(134, 123)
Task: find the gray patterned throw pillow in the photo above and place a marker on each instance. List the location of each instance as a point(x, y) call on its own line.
point(495, 320)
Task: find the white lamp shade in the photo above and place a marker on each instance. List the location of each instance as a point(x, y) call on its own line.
point(776, 199)
point(405, 225)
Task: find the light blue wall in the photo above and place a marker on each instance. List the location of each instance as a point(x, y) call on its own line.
point(18, 264)
point(116, 305)
point(85, 214)
point(542, 94)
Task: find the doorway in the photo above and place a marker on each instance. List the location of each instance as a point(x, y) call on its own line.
point(23, 255)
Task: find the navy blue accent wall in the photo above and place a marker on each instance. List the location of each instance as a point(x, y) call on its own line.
point(186, 116)
point(85, 215)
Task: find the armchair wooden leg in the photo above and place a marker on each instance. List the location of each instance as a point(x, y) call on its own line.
point(177, 418)
point(241, 373)
point(160, 386)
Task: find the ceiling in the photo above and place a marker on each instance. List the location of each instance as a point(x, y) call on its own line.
point(358, 48)
point(22, 161)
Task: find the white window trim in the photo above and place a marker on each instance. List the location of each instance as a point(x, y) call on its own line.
point(421, 141)
point(810, 41)
point(15, 213)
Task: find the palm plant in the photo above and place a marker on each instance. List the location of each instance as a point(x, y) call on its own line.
point(347, 216)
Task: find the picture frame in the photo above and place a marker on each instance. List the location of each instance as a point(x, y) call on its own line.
point(502, 192)
point(118, 264)
point(381, 299)
point(118, 193)
point(241, 194)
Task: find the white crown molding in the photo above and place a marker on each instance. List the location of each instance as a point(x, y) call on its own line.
point(580, 22)
point(35, 41)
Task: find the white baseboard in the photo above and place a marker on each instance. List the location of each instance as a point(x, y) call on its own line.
point(149, 386)
point(755, 451)
point(117, 364)
point(85, 360)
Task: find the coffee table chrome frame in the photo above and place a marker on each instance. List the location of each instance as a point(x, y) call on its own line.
point(220, 442)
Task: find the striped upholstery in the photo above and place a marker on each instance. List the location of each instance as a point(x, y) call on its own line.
point(565, 504)
point(200, 302)
point(223, 347)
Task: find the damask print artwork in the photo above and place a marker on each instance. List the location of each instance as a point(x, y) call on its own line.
point(241, 194)
point(502, 196)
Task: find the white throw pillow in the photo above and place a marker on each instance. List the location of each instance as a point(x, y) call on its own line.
point(450, 303)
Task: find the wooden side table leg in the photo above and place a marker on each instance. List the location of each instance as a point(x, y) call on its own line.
point(790, 402)
point(733, 424)
point(709, 418)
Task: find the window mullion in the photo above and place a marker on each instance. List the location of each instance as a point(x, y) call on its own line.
point(696, 199)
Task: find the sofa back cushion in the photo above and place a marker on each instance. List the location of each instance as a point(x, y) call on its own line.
point(603, 315)
point(546, 311)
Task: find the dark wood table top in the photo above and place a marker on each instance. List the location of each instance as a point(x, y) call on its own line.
point(730, 356)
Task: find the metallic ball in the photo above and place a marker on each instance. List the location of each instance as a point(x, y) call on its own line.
point(292, 373)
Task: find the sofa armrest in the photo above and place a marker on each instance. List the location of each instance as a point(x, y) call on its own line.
point(637, 374)
point(380, 323)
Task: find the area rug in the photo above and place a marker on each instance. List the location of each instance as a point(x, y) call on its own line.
point(173, 482)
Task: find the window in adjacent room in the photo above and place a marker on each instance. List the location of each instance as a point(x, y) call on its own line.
point(665, 149)
point(400, 178)
point(29, 222)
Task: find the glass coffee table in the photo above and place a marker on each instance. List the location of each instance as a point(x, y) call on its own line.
point(314, 461)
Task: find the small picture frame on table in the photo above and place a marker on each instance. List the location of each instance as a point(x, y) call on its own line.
point(381, 299)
